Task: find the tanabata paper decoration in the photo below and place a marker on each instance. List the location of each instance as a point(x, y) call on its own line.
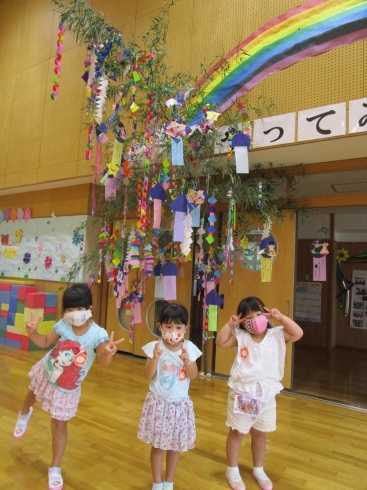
point(268, 247)
point(1, 216)
point(159, 285)
point(241, 143)
point(177, 151)
point(319, 251)
point(267, 251)
point(213, 300)
point(169, 272)
point(179, 207)
point(212, 219)
point(57, 62)
point(101, 99)
point(158, 194)
point(312, 28)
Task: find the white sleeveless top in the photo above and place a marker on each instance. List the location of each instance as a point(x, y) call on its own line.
point(258, 367)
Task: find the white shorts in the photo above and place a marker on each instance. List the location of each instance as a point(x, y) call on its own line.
point(264, 422)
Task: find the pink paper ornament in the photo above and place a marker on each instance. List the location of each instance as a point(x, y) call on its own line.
point(20, 214)
point(27, 214)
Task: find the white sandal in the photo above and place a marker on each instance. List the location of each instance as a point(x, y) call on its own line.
point(55, 481)
point(22, 423)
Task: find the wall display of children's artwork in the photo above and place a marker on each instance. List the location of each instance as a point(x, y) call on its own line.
point(45, 248)
point(358, 311)
point(308, 302)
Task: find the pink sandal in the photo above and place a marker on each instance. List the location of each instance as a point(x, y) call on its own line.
point(55, 481)
point(22, 423)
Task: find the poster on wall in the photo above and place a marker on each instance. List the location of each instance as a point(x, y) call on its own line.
point(46, 248)
point(308, 302)
point(358, 311)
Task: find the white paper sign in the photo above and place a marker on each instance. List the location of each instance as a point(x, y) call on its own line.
point(358, 116)
point(276, 130)
point(322, 122)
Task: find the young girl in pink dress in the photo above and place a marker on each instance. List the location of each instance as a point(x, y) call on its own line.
point(56, 379)
point(254, 381)
point(168, 421)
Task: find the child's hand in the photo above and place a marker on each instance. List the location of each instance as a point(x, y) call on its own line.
point(31, 326)
point(111, 346)
point(184, 356)
point(274, 313)
point(157, 351)
point(234, 321)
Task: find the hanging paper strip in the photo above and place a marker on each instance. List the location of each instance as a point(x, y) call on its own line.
point(177, 151)
point(319, 269)
point(169, 272)
point(266, 269)
point(213, 318)
point(319, 250)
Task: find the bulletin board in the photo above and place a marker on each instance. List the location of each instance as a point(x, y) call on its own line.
point(46, 248)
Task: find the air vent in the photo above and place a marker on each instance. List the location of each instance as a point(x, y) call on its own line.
point(349, 188)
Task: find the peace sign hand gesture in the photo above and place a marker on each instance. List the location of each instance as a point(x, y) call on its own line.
point(110, 347)
point(31, 327)
point(184, 356)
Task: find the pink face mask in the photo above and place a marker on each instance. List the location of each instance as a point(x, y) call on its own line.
point(256, 325)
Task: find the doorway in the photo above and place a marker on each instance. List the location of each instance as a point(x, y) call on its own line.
point(330, 361)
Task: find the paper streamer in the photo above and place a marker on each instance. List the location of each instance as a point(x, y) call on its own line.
point(266, 269)
point(319, 268)
point(169, 288)
point(213, 318)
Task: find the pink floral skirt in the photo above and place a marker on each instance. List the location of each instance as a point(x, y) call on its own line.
point(168, 424)
point(60, 405)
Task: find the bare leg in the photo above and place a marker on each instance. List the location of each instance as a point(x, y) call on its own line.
point(29, 400)
point(59, 429)
point(156, 463)
point(258, 447)
point(172, 458)
point(233, 447)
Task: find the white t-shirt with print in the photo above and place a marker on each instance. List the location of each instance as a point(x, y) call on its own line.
point(170, 380)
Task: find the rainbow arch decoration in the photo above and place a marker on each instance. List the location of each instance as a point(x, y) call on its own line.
point(313, 28)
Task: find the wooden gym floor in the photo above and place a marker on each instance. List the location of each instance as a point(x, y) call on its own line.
point(339, 375)
point(317, 446)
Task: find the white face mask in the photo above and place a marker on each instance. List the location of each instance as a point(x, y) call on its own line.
point(173, 337)
point(77, 318)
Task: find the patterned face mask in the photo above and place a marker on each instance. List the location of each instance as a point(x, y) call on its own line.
point(77, 318)
point(256, 325)
point(172, 337)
